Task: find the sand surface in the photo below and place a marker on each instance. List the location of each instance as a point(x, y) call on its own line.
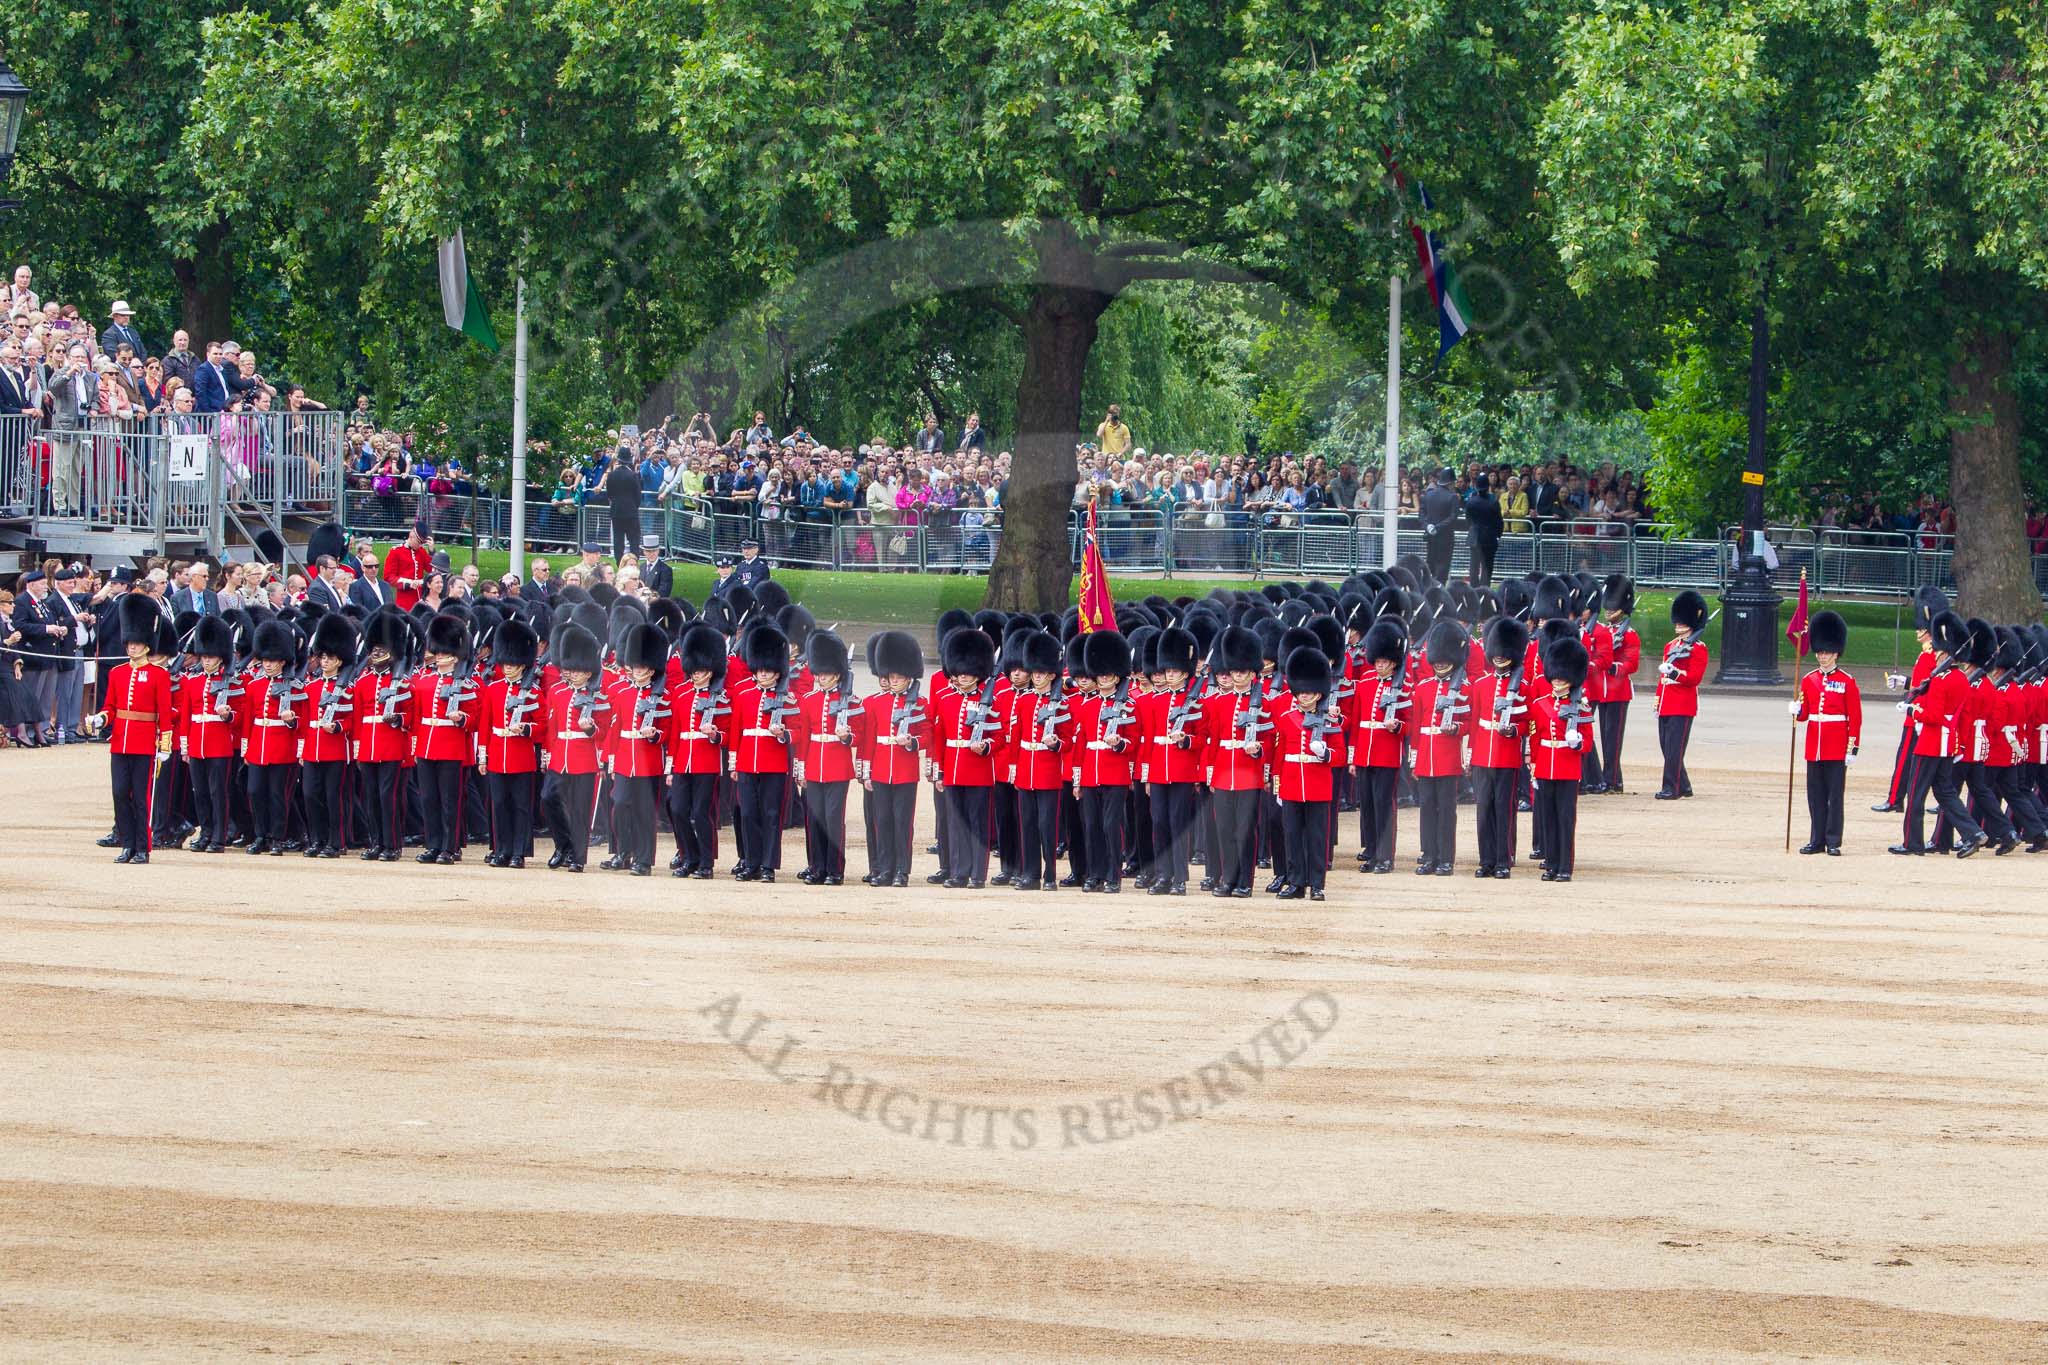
point(1710, 1102)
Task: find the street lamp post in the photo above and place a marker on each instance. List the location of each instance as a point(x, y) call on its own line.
point(1749, 626)
point(13, 102)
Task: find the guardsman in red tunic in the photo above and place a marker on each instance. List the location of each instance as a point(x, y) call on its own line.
point(1928, 603)
point(1236, 728)
point(1104, 728)
point(2008, 740)
point(1832, 708)
point(1170, 736)
point(1034, 744)
point(272, 712)
point(1557, 737)
point(639, 702)
point(508, 752)
point(1678, 690)
point(1308, 748)
point(894, 731)
point(1497, 723)
point(695, 759)
point(383, 733)
point(828, 722)
point(407, 565)
point(1080, 686)
point(444, 724)
point(1435, 727)
point(968, 719)
point(575, 718)
point(1379, 705)
point(325, 735)
point(1623, 651)
point(1936, 742)
point(1980, 722)
point(140, 724)
point(207, 731)
point(759, 734)
point(1599, 643)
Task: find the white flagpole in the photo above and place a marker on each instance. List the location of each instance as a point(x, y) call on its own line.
point(1390, 485)
point(517, 563)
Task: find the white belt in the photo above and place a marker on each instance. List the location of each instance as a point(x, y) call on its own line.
point(1439, 730)
point(894, 739)
point(506, 732)
point(441, 720)
point(759, 733)
point(961, 743)
point(206, 717)
point(272, 724)
point(1822, 715)
point(573, 734)
point(1101, 744)
point(826, 739)
point(1308, 758)
point(1238, 743)
point(1555, 743)
point(1034, 745)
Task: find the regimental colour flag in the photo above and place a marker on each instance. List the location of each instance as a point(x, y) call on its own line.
point(1452, 312)
point(1796, 629)
point(461, 305)
point(1098, 608)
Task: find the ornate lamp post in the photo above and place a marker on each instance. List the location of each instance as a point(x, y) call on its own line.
point(13, 102)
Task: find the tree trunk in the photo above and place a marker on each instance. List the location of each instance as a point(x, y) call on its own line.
point(1032, 569)
point(206, 280)
point(1994, 572)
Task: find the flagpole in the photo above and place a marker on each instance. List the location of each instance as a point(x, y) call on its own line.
point(1792, 744)
point(1390, 484)
point(517, 562)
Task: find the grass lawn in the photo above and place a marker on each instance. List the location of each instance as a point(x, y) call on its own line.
point(917, 599)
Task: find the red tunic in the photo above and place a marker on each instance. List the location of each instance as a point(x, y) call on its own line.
point(380, 739)
point(826, 744)
point(1299, 773)
point(1935, 713)
point(687, 718)
point(1625, 651)
point(1376, 719)
point(269, 735)
point(1106, 759)
point(564, 745)
point(403, 567)
point(444, 729)
point(1678, 685)
point(888, 760)
point(749, 735)
point(503, 745)
point(1437, 740)
point(138, 707)
point(1169, 757)
point(1231, 766)
point(952, 744)
point(1832, 708)
point(1035, 752)
point(1496, 748)
point(642, 754)
point(1551, 755)
point(315, 744)
point(202, 733)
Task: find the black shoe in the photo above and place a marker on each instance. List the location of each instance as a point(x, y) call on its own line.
point(390, 855)
point(702, 874)
point(215, 848)
point(937, 879)
point(1834, 852)
point(1886, 808)
point(1523, 807)
point(1113, 887)
point(1549, 875)
point(807, 877)
point(867, 879)
point(138, 857)
point(1274, 884)
point(642, 870)
point(330, 852)
point(1221, 893)
point(1180, 888)
point(517, 864)
point(1091, 886)
point(2005, 847)
point(124, 856)
point(428, 858)
point(1315, 893)
point(2037, 845)
point(1811, 848)
point(764, 877)
point(260, 846)
point(1667, 796)
point(1141, 881)
point(1562, 877)
point(1072, 880)
point(1208, 883)
point(1501, 873)
point(239, 841)
point(1971, 846)
point(1443, 869)
point(278, 851)
point(1593, 791)
point(312, 851)
point(902, 879)
point(1001, 879)
point(679, 872)
point(110, 840)
point(1243, 893)
point(1159, 889)
point(1384, 867)
point(675, 864)
point(834, 880)
point(932, 849)
point(1025, 884)
point(1905, 852)
point(1292, 893)
point(557, 858)
point(493, 860)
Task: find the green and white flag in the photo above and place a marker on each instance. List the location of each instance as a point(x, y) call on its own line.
point(461, 305)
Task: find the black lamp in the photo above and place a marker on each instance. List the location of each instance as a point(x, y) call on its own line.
point(13, 103)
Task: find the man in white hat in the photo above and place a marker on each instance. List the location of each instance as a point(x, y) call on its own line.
point(122, 328)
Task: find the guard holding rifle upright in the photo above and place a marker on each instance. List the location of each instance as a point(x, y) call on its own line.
point(205, 704)
point(1557, 736)
point(383, 739)
point(897, 728)
point(696, 732)
point(507, 751)
point(1169, 730)
point(968, 720)
point(827, 737)
point(324, 739)
point(1832, 708)
point(1237, 734)
point(759, 735)
point(1616, 687)
point(1378, 717)
point(1937, 741)
point(1308, 748)
point(639, 704)
point(1038, 714)
point(1928, 603)
point(272, 710)
point(1678, 690)
point(574, 719)
point(1435, 729)
point(444, 717)
point(1499, 712)
point(1105, 735)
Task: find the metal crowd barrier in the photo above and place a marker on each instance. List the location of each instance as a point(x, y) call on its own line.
point(1193, 543)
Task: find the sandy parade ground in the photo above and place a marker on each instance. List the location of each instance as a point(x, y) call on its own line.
point(1709, 1102)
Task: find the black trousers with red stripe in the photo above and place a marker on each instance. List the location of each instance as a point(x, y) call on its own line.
point(131, 800)
point(1038, 814)
point(1306, 827)
point(1557, 799)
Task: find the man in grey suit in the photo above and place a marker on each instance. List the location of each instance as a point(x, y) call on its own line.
point(324, 590)
point(196, 595)
point(72, 397)
point(371, 591)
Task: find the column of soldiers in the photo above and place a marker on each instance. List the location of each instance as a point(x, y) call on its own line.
point(1198, 742)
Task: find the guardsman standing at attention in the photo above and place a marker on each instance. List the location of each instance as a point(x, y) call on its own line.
point(205, 704)
point(1034, 744)
point(1379, 705)
point(1435, 727)
point(1678, 690)
point(325, 736)
point(828, 722)
point(1238, 734)
point(760, 732)
point(897, 728)
point(272, 711)
point(444, 712)
point(696, 731)
point(1105, 738)
point(574, 721)
point(1618, 688)
point(1557, 737)
point(1308, 748)
point(139, 723)
point(1499, 725)
point(1937, 741)
point(639, 709)
point(383, 739)
point(968, 719)
point(1832, 708)
point(507, 750)
point(1170, 734)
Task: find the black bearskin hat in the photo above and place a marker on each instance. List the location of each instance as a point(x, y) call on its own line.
point(825, 653)
point(1553, 599)
point(1144, 642)
point(950, 620)
point(336, 636)
point(604, 594)
point(1618, 594)
point(643, 646)
point(967, 650)
point(1982, 643)
point(390, 631)
point(2011, 651)
point(1297, 637)
point(1928, 603)
point(1039, 652)
point(1073, 650)
point(1308, 670)
point(448, 634)
point(1386, 640)
point(701, 649)
point(1516, 597)
point(515, 645)
point(897, 651)
point(1328, 634)
point(1829, 633)
point(1566, 661)
point(665, 613)
point(1107, 653)
point(1447, 644)
point(1236, 651)
point(577, 650)
point(1507, 639)
point(327, 539)
point(1951, 634)
point(1177, 651)
point(211, 638)
point(765, 648)
point(138, 616)
point(1688, 612)
point(276, 640)
point(796, 624)
point(771, 597)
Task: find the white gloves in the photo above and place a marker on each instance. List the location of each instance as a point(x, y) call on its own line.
point(1575, 739)
point(1849, 757)
point(1792, 709)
